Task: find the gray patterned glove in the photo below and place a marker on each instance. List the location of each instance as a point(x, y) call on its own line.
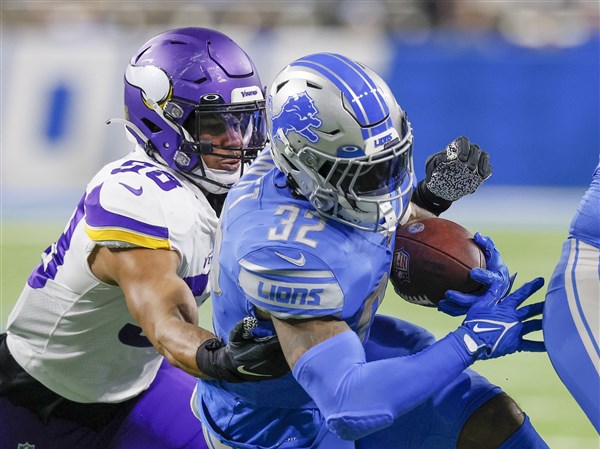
point(452, 173)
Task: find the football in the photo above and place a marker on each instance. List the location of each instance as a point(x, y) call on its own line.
point(431, 256)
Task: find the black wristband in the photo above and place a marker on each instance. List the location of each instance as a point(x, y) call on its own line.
point(207, 359)
point(423, 197)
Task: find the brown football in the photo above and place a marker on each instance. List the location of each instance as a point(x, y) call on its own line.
point(431, 256)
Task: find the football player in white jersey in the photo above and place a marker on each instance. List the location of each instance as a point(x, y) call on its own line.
point(99, 344)
point(304, 252)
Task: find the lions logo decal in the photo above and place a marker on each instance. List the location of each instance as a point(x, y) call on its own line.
point(298, 114)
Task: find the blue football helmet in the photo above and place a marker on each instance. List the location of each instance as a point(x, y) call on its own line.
point(339, 134)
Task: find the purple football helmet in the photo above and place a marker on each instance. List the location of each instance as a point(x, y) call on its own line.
point(186, 86)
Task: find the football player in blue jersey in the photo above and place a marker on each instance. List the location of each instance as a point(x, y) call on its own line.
point(571, 320)
point(304, 251)
point(92, 349)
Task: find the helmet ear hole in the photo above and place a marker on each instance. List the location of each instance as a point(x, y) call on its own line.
point(153, 127)
point(189, 124)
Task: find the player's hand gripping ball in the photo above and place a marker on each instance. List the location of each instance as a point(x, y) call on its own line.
point(431, 256)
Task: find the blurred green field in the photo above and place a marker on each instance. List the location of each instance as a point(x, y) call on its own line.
point(529, 378)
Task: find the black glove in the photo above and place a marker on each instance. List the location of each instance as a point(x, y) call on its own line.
point(456, 171)
point(244, 358)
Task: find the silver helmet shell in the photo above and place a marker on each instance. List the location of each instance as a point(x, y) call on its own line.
point(338, 132)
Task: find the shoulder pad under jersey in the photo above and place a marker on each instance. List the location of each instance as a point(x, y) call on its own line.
point(136, 207)
point(290, 283)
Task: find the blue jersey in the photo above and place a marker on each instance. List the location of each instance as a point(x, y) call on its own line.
point(292, 266)
point(586, 225)
point(570, 322)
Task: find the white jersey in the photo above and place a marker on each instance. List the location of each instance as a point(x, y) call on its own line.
point(74, 333)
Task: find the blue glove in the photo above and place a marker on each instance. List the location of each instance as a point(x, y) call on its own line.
point(495, 326)
point(496, 277)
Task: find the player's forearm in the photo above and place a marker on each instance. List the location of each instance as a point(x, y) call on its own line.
point(358, 398)
point(417, 212)
point(179, 343)
point(171, 323)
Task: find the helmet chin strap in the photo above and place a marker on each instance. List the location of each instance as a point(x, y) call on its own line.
point(389, 217)
point(221, 179)
point(361, 214)
point(406, 215)
point(228, 178)
point(380, 216)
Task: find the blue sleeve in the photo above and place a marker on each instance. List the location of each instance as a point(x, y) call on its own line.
point(358, 398)
point(585, 225)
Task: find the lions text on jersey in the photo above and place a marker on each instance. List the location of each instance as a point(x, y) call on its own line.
point(291, 266)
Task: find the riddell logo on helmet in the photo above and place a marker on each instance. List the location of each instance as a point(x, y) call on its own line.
point(250, 93)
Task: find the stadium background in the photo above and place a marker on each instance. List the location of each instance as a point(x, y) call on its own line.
point(519, 78)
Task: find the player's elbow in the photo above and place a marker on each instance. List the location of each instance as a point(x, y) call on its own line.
point(334, 381)
point(349, 425)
